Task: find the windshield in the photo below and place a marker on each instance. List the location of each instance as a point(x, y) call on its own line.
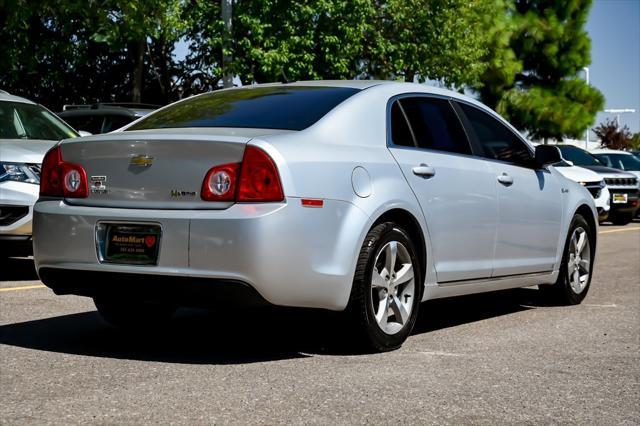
point(620, 161)
point(579, 157)
point(27, 121)
point(274, 107)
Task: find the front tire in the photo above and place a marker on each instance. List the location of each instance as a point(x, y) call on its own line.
point(622, 218)
point(387, 288)
point(133, 314)
point(577, 266)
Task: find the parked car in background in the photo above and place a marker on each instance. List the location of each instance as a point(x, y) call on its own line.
point(622, 185)
point(621, 160)
point(594, 183)
point(104, 117)
point(27, 132)
point(360, 196)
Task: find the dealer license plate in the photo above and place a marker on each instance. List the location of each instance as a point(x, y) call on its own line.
point(136, 244)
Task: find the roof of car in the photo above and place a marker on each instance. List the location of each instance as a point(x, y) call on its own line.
point(6, 96)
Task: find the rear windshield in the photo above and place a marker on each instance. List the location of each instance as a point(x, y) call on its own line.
point(277, 107)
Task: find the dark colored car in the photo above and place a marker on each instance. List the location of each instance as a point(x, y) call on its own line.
point(103, 117)
point(623, 186)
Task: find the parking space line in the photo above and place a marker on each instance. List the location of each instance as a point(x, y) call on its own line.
point(611, 231)
point(25, 287)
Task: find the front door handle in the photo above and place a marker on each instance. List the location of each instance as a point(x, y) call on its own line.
point(505, 179)
point(424, 171)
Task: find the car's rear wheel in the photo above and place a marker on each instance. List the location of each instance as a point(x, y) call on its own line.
point(577, 266)
point(387, 288)
point(133, 314)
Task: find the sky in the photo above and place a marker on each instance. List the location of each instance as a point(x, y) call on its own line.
point(614, 28)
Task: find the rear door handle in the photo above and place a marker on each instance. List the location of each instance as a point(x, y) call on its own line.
point(424, 171)
point(505, 179)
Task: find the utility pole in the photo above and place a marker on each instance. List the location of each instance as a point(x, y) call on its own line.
point(226, 12)
point(586, 138)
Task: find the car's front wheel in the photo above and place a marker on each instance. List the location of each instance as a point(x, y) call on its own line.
point(133, 314)
point(387, 288)
point(577, 265)
point(621, 218)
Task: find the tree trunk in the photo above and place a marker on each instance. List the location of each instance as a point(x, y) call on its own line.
point(138, 68)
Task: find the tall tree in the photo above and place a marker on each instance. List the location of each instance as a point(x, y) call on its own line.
point(75, 51)
point(546, 95)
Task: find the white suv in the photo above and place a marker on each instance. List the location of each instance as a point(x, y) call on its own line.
point(593, 182)
point(27, 132)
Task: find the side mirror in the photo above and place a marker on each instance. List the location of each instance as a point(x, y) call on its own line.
point(84, 133)
point(548, 154)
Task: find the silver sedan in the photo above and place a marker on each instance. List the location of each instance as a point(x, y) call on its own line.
point(359, 196)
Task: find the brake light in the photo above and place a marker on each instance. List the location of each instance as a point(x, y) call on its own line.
point(61, 179)
point(255, 179)
point(259, 179)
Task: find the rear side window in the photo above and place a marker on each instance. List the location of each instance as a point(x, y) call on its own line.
point(429, 123)
point(498, 141)
point(275, 107)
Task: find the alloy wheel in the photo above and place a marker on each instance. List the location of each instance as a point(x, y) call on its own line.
point(579, 263)
point(392, 287)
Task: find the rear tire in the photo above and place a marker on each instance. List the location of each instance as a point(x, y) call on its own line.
point(128, 314)
point(576, 269)
point(387, 289)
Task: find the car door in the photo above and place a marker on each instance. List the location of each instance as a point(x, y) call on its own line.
point(529, 198)
point(456, 190)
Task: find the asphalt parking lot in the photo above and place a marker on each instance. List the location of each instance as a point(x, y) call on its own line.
point(495, 358)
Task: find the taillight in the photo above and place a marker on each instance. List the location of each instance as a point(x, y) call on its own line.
point(256, 179)
point(259, 179)
point(61, 179)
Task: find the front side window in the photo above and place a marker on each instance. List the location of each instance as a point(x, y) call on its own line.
point(274, 107)
point(498, 142)
point(27, 121)
point(429, 123)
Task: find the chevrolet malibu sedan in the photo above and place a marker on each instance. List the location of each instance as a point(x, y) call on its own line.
point(357, 196)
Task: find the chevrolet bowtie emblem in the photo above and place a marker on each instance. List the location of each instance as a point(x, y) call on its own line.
point(141, 160)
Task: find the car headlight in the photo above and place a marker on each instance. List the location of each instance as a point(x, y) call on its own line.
point(18, 172)
point(602, 184)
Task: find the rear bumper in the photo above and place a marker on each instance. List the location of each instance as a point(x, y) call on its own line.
point(290, 255)
point(186, 291)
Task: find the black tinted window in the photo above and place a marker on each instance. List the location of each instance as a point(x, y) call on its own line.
point(498, 142)
point(276, 107)
point(400, 131)
point(434, 125)
point(88, 123)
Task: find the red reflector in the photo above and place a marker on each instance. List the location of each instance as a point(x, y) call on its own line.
point(310, 202)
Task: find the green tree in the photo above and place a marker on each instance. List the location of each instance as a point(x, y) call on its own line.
point(634, 143)
point(291, 40)
point(77, 51)
point(546, 97)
